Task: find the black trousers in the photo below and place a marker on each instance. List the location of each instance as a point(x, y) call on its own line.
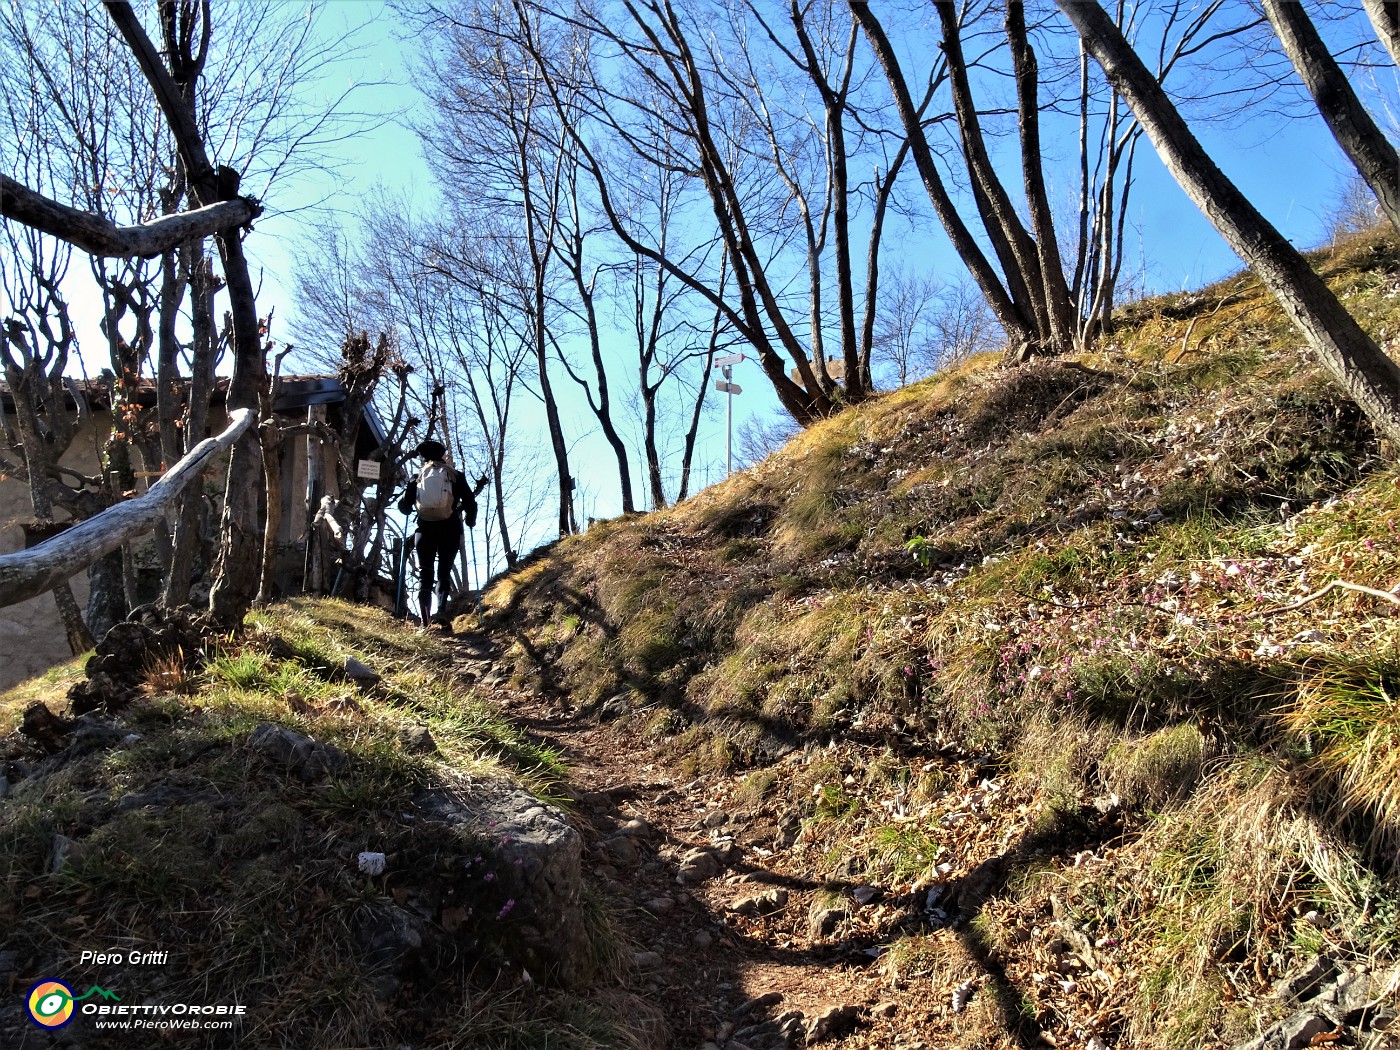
point(437, 544)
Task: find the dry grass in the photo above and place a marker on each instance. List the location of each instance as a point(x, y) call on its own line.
point(187, 840)
point(1080, 570)
point(1346, 716)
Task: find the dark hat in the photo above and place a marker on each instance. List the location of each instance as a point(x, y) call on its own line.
point(431, 449)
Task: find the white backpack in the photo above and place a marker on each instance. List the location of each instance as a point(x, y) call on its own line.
point(434, 502)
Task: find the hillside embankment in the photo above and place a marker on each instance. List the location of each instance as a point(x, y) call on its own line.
point(1045, 706)
point(1059, 697)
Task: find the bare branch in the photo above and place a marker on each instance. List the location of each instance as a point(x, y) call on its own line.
point(98, 236)
point(25, 574)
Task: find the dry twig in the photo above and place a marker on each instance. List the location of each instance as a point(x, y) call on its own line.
point(1388, 596)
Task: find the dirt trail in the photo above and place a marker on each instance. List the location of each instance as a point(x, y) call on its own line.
point(718, 918)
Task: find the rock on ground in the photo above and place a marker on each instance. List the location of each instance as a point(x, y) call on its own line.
point(538, 864)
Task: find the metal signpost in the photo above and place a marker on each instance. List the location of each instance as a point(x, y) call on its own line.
point(724, 386)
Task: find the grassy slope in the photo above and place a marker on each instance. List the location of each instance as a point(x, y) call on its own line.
point(190, 843)
point(1083, 572)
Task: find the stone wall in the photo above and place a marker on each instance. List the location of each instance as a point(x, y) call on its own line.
point(31, 633)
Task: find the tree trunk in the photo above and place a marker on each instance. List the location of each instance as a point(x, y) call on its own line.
point(602, 406)
point(105, 606)
point(272, 482)
point(805, 399)
point(236, 574)
point(653, 453)
point(1367, 146)
point(1385, 16)
point(1019, 261)
point(688, 456)
point(834, 111)
point(240, 547)
point(315, 582)
point(883, 190)
point(1020, 329)
point(1352, 356)
point(1055, 290)
point(97, 236)
point(79, 638)
point(37, 464)
point(188, 540)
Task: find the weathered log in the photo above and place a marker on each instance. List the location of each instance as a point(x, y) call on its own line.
point(98, 236)
point(27, 573)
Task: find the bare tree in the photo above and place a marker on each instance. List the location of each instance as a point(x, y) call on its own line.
point(1352, 125)
point(669, 93)
point(1385, 16)
point(1352, 356)
point(575, 236)
point(34, 353)
point(28, 573)
point(492, 139)
point(929, 323)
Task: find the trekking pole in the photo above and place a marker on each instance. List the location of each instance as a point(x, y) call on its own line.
point(476, 572)
point(410, 558)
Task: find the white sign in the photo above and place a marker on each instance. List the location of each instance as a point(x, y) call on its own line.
point(835, 368)
point(371, 469)
point(728, 388)
point(727, 360)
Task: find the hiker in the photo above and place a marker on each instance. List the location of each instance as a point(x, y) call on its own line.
point(442, 500)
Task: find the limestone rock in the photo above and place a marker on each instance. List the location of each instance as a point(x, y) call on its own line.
point(63, 853)
point(832, 1023)
point(91, 733)
point(703, 862)
point(636, 828)
point(393, 942)
point(537, 857)
point(613, 707)
point(824, 918)
point(417, 740)
point(765, 903)
point(623, 850)
point(1292, 1033)
point(789, 827)
point(1306, 980)
point(298, 754)
point(360, 673)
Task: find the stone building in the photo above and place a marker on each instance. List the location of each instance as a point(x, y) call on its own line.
point(32, 638)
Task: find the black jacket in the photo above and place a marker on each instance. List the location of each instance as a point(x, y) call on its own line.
point(463, 503)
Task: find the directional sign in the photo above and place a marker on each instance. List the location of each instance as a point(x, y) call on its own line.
point(835, 367)
point(727, 360)
point(728, 388)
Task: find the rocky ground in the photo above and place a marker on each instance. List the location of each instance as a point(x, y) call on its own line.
point(728, 935)
point(745, 938)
